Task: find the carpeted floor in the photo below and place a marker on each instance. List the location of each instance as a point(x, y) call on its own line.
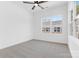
point(36, 49)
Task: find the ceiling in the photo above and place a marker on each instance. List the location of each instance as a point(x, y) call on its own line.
point(46, 5)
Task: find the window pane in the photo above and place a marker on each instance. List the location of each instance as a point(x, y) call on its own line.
point(77, 7)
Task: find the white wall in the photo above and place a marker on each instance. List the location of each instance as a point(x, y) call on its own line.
point(15, 24)
point(59, 10)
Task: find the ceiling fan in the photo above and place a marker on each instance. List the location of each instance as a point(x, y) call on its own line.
point(36, 3)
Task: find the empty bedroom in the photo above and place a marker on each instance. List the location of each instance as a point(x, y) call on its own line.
point(35, 29)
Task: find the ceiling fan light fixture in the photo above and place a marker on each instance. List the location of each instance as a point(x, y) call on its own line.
point(36, 4)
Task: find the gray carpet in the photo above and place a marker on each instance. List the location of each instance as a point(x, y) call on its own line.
point(36, 49)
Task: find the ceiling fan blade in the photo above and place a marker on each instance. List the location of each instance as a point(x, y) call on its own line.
point(33, 7)
point(28, 2)
point(42, 2)
point(41, 7)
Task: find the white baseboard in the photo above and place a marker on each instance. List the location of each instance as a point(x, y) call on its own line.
point(16, 42)
point(52, 41)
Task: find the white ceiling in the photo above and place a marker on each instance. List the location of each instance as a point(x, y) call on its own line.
point(46, 5)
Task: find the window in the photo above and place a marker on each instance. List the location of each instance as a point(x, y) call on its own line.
point(57, 29)
point(52, 24)
point(77, 27)
point(77, 7)
point(77, 20)
point(47, 29)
